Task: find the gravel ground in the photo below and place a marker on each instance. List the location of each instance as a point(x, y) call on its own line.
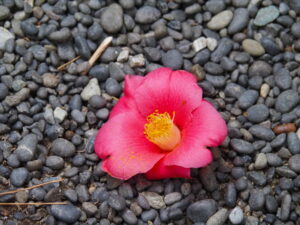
point(244, 54)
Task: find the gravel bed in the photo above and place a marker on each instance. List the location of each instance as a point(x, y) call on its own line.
point(245, 55)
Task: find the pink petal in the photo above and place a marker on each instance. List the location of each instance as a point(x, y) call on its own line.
point(124, 148)
point(160, 171)
point(169, 91)
point(126, 102)
point(207, 128)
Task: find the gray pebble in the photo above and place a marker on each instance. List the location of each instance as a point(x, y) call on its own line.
point(116, 202)
point(242, 146)
point(239, 21)
point(27, 147)
point(256, 199)
point(285, 207)
point(112, 87)
point(19, 176)
point(266, 15)
point(230, 195)
point(234, 90)
point(257, 113)
point(149, 215)
point(66, 213)
point(55, 162)
point(236, 215)
point(89, 208)
point(287, 100)
point(270, 46)
point(247, 99)
point(200, 211)
point(78, 116)
point(208, 179)
point(61, 35)
point(283, 79)
point(4, 12)
point(294, 163)
point(224, 47)
point(82, 47)
point(293, 143)
point(173, 197)
point(95, 32)
point(262, 132)
point(112, 18)
point(129, 217)
point(271, 204)
point(63, 148)
point(172, 59)
point(218, 218)
point(260, 68)
point(147, 14)
point(278, 141)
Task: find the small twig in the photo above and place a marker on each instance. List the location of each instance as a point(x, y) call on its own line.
point(63, 66)
point(102, 47)
point(31, 203)
point(29, 188)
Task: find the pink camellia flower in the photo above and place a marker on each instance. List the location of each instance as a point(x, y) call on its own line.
point(160, 127)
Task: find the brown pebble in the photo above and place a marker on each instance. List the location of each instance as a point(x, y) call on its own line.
point(285, 128)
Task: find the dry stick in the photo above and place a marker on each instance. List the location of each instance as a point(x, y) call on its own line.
point(31, 203)
point(63, 66)
point(29, 188)
point(102, 47)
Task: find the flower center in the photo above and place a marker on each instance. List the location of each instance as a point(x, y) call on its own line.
point(161, 130)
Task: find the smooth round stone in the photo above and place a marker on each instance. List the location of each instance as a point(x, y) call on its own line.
point(19, 176)
point(286, 101)
point(270, 46)
point(247, 99)
point(78, 116)
point(147, 14)
point(295, 30)
point(129, 217)
point(271, 204)
point(260, 69)
point(172, 198)
point(293, 143)
point(283, 79)
point(234, 90)
point(200, 211)
point(89, 208)
point(236, 215)
point(82, 47)
point(66, 213)
point(257, 113)
point(266, 15)
point(253, 47)
point(55, 162)
point(37, 194)
point(112, 87)
point(230, 195)
point(240, 20)
point(220, 20)
point(215, 6)
point(112, 18)
point(63, 148)
point(100, 72)
point(4, 36)
point(242, 146)
point(218, 218)
point(97, 102)
point(262, 132)
point(294, 163)
point(261, 161)
point(172, 59)
point(29, 28)
point(257, 199)
point(116, 202)
point(95, 32)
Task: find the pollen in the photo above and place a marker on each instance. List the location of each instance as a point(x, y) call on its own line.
point(161, 130)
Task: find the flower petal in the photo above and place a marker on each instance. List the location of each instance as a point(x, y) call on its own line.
point(126, 102)
point(123, 147)
point(207, 128)
point(169, 91)
point(160, 171)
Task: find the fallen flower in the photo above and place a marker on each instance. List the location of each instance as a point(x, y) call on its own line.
point(160, 127)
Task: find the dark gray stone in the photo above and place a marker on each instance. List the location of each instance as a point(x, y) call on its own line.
point(208, 179)
point(61, 35)
point(260, 68)
point(112, 87)
point(223, 49)
point(147, 14)
point(172, 59)
point(283, 79)
point(234, 90)
point(112, 18)
point(66, 213)
point(55, 162)
point(247, 99)
point(293, 143)
point(200, 211)
point(27, 147)
point(116, 202)
point(242, 146)
point(239, 21)
point(257, 113)
point(262, 132)
point(18, 176)
point(63, 148)
point(256, 199)
point(286, 101)
point(294, 163)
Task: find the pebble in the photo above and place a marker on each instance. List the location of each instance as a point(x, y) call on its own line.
point(218, 218)
point(285, 207)
point(173, 197)
point(19, 176)
point(50, 80)
point(3, 91)
point(129, 217)
point(27, 147)
point(17, 98)
point(253, 47)
point(260, 68)
point(63, 148)
point(59, 114)
point(136, 61)
point(211, 43)
point(208, 179)
point(257, 113)
point(199, 44)
point(4, 36)
point(4, 12)
point(91, 89)
point(220, 20)
point(89, 208)
point(247, 99)
point(240, 20)
point(234, 90)
point(147, 14)
point(270, 46)
point(271, 204)
point(66, 213)
point(242, 146)
point(266, 15)
point(224, 47)
point(264, 90)
point(201, 211)
point(294, 163)
point(293, 143)
point(60, 35)
point(256, 199)
point(172, 59)
point(262, 132)
point(149, 215)
point(112, 18)
point(112, 87)
point(236, 215)
point(116, 202)
point(283, 79)
point(230, 195)
point(55, 162)
point(215, 6)
point(286, 101)
point(155, 200)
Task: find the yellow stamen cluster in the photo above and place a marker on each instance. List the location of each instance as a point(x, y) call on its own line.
point(161, 130)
